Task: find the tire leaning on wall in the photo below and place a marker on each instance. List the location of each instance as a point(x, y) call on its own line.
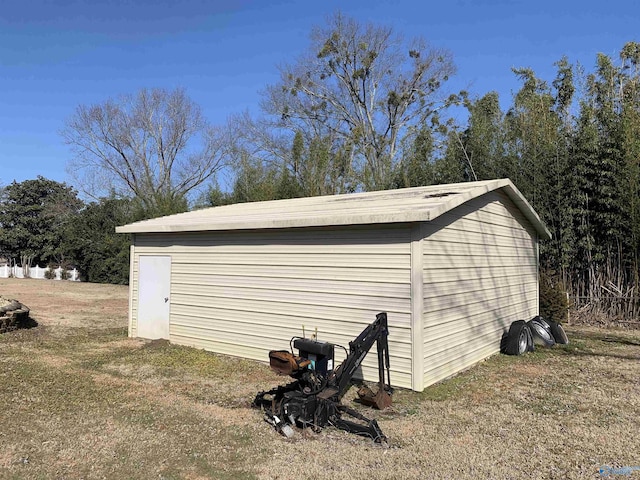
point(518, 339)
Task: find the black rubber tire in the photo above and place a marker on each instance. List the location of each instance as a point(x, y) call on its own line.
point(558, 333)
point(544, 323)
point(540, 334)
point(517, 340)
point(532, 345)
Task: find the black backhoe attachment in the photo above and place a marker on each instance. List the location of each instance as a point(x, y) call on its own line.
point(313, 399)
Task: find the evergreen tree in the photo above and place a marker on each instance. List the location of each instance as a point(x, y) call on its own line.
point(33, 216)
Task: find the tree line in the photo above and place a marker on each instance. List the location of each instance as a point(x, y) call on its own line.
point(364, 109)
point(572, 146)
point(45, 223)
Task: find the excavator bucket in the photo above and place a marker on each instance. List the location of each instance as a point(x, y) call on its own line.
point(380, 400)
point(285, 363)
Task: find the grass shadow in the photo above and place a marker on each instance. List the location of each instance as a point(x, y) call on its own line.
point(30, 322)
point(21, 321)
point(585, 353)
point(600, 344)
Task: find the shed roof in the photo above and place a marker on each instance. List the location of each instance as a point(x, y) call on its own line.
point(416, 204)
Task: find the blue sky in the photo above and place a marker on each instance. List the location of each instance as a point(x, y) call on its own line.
point(56, 55)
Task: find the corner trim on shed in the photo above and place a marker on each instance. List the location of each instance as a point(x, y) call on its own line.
point(417, 303)
point(132, 252)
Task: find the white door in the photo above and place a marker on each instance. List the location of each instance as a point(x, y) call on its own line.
point(154, 280)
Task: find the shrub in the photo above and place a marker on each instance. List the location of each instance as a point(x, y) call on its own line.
point(553, 297)
point(50, 273)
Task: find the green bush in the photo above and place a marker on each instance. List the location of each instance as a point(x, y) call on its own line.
point(553, 297)
point(50, 274)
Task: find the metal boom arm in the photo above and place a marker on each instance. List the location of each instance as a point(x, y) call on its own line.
point(377, 332)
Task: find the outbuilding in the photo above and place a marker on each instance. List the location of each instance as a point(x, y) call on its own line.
point(452, 265)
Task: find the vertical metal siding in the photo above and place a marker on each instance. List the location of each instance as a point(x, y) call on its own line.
point(245, 293)
point(480, 274)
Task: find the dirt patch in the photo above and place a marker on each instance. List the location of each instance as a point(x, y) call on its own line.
point(81, 400)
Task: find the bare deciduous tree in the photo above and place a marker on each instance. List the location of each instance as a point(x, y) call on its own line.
point(154, 146)
point(363, 86)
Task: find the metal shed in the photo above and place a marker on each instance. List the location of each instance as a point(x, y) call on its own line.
point(453, 265)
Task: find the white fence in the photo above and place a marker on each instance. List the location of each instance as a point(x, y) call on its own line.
point(38, 272)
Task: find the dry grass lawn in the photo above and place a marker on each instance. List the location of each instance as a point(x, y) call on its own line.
point(81, 400)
